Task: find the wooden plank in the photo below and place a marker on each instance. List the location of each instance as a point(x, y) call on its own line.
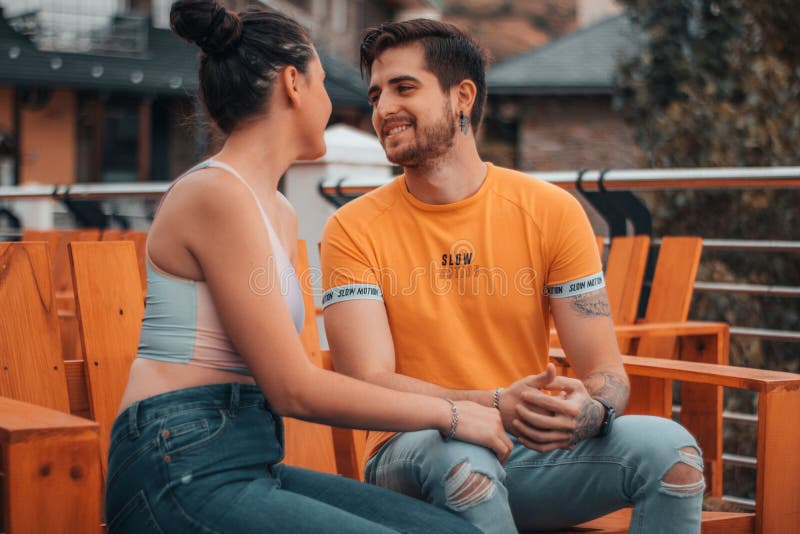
point(670, 298)
point(68, 328)
point(702, 405)
point(31, 367)
point(309, 445)
point(111, 235)
point(627, 260)
point(52, 482)
point(669, 329)
point(61, 270)
point(23, 421)
point(76, 387)
point(778, 473)
point(139, 239)
point(309, 336)
point(759, 380)
point(712, 523)
point(349, 444)
point(110, 307)
point(671, 292)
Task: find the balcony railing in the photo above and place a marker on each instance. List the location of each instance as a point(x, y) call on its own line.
point(341, 190)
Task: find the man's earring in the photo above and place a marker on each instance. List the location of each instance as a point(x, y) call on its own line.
point(463, 122)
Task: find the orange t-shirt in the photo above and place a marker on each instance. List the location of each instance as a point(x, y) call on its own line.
point(466, 284)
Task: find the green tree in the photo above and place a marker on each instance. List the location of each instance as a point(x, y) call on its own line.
point(717, 84)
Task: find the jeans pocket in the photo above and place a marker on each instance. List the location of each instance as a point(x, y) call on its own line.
point(184, 431)
point(135, 517)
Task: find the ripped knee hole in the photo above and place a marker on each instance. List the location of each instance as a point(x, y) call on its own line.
point(465, 488)
point(685, 477)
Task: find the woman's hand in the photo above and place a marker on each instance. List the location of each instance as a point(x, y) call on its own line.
point(482, 426)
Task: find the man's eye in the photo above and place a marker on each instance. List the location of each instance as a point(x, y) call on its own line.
point(404, 88)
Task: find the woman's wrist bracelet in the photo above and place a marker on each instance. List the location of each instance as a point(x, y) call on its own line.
point(453, 421)
point(496, 398)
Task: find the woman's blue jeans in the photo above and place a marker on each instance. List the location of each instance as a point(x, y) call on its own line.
point(553, 490)
point(205, 459)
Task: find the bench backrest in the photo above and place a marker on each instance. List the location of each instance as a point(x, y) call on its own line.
point(309, 445)
point(110, 308)
point(672, 290)
point(669, 301)
point(32, 369)
point(624, 273)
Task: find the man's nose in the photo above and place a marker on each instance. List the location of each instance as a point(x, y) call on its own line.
point(385, 106)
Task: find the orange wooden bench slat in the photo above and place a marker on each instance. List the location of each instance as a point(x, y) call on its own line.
point(625, 267)
point(31, 367)
point(309, 445)
point(139, 239)
point(672, 289)
point(110, 308)
point(111, 235)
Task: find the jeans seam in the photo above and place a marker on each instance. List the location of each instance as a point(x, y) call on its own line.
point(130, 458)
point(583, 459)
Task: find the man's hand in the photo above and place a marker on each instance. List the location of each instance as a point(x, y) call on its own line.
point(511, 397)
point(546, 422)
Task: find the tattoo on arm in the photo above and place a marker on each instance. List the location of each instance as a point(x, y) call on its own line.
point(609, 386)
point(588, 422)
point(593, 304)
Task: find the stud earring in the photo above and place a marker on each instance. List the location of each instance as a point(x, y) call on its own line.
point(463, 122)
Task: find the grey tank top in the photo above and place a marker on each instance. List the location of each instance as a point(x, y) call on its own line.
point(180, 322)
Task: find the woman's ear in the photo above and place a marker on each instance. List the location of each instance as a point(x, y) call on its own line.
point(291, 84)
point(465, 93)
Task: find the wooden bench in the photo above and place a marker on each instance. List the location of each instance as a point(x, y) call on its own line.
point(31, 503)
point(51, 473)
point(665, 332)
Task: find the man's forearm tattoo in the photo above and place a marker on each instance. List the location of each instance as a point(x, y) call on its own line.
point(610, 387)
point(593, 304)
point(588, 422)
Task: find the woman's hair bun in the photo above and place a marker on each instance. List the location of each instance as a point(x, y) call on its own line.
point(207, 24)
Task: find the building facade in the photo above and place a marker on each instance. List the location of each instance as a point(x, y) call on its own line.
point(552, 108)
point(106, 93)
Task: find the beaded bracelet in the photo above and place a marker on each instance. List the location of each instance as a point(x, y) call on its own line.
point(453, 421)
point(496, 398)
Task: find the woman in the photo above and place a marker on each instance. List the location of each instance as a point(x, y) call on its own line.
point(196, 446)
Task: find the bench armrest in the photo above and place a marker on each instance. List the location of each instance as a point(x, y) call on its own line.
point(677, 329)
point(51, 464)
point(777, 459)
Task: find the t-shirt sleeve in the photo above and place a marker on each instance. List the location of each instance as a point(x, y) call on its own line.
point(575, 266)
point(347, 272)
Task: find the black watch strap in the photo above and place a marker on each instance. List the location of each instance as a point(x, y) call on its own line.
point(608, 417)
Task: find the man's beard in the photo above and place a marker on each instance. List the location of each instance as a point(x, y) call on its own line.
point(429, 143)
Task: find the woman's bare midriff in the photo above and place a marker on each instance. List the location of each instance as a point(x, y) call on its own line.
point(152, 377)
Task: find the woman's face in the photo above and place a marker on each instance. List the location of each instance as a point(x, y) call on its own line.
point(315, 111)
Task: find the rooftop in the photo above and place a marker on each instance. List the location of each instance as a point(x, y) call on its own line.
point(168, 67)
point(582, 62)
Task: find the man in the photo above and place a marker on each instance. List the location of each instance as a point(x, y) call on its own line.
point(443, 281)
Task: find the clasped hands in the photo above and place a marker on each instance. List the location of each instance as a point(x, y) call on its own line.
point(547, 412)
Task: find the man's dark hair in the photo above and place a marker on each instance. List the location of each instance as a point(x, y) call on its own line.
point(450, 54)
point(242, 54)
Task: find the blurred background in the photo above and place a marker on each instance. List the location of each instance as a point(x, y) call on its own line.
point(99, 91)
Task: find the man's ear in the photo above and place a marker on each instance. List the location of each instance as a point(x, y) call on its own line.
point(291, 85)
point(465, 93)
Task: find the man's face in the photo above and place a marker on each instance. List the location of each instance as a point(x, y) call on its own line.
point(413, 118)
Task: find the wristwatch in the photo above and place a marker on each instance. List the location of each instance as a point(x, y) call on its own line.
point(608, 417)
